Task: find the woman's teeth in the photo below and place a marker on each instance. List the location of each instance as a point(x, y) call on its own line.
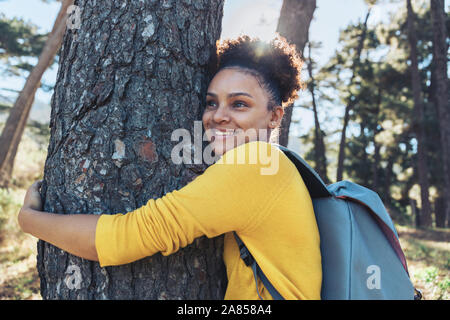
point(222, 133)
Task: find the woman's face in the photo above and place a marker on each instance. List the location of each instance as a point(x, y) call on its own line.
point(236, 110)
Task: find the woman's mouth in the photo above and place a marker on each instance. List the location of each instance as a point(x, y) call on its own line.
point(221, 133)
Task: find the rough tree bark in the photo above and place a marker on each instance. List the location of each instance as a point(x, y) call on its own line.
point(293, 24)
point(440, 49)
point(132, 73)
point(351, 101)
point(418, 120)
point(18, 116)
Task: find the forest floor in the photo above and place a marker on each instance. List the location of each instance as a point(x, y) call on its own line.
point(18, 274)
point(427, 253)
point(427, 250)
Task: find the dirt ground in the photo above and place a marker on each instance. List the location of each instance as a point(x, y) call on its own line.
point(18, 274)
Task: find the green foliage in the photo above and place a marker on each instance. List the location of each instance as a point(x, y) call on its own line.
point(41, 131)
point(4, 107)
point(431, 276)
point(19, 41)
point(381, 145)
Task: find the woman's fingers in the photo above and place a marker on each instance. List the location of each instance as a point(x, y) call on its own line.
point(33, 197)
point(35, 187)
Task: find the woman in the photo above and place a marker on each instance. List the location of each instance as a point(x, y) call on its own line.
point(271, 213)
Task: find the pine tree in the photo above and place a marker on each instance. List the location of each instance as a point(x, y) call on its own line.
point(127, 78)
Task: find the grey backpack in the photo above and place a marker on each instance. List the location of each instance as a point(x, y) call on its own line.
point(361, 254)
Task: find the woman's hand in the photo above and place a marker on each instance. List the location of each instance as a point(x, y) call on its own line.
point(74, 233)
point(32, 201)
point(33, 198)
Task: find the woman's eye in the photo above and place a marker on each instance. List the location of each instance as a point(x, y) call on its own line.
point(240, 104)
point(237, 104)
point(210, 104)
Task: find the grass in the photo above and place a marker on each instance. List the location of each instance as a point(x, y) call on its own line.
point(428, 255)
point(18, 274)
point(19, 279)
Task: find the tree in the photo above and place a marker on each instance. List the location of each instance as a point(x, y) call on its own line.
point(293, 24)
point(422, 167)
point(440, 49)
point(128, 77)
point(381, 143)
point(320, 158)
point(351, 101)
point(18, 115)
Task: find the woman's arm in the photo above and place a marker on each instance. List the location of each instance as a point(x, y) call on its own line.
point(74, 233)
point(229, 196)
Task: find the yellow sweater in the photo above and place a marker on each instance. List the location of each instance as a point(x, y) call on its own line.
point(270, 210)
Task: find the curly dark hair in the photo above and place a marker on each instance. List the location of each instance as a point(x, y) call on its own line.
point(275, 64)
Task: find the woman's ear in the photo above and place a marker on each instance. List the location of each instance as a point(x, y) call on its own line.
point(277, 116)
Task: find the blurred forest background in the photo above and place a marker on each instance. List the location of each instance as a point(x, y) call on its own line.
point(375, 111)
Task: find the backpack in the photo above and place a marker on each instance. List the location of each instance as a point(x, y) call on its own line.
point(361, 254)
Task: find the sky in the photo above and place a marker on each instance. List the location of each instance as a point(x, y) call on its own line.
point(252, 17)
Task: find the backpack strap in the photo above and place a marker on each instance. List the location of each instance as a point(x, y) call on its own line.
point(315, 185)
point(257, 272)
point(316, 188)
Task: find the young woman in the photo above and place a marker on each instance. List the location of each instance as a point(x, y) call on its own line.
point(271, 213)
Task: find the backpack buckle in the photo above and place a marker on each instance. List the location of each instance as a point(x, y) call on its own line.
point(243, 251)
point(418, 294)
point(246, 256)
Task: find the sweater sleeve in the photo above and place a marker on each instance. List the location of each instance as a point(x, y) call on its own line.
point(230, 195)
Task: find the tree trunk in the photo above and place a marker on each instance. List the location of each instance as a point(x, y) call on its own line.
point(415, 212)
point(130, 75)
point(351, 100)
point(13, 130)
point(386, 196)
point(440, 48)
point(418, 119)
point(375, 164)
point(439, 211)
point(293, 24)
point(377, 147)
point(319, 144)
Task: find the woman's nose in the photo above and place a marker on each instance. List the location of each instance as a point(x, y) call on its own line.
point(221, 114)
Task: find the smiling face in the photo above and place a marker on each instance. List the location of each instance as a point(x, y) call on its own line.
point(236, 110)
